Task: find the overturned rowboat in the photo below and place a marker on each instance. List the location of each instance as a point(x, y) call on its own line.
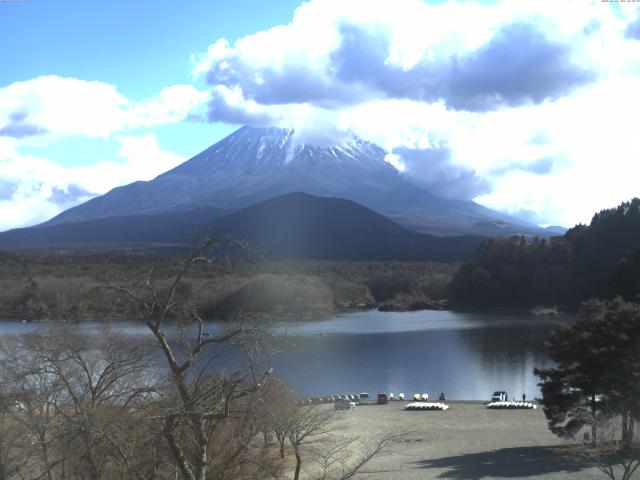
point(511, 406)
point(426, 406)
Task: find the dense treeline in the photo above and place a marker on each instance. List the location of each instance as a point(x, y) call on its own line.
point(70, 286)
point(598, 260)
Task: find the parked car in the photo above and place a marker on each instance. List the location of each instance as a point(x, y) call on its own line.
point(499, 396)
point(364, 399)
point(342, 404)
point(382, 399)
point(584, 399)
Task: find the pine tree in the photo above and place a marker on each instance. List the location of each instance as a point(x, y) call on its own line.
point(598, 370)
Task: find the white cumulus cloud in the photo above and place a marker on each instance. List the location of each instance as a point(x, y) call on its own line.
point(38, 111)
point(34, 189)
point(525, 106)
point(63, 106)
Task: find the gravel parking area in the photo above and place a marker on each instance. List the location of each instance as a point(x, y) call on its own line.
point(467, 441)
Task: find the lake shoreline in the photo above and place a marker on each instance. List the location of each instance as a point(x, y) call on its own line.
point(441, 305)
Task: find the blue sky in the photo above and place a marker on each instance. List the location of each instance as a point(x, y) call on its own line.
point(140, 46)
point(501, 102)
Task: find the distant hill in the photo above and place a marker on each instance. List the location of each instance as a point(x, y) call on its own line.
point(292, 226)
point(298, 225)
point(255, 164)
point(556, 230)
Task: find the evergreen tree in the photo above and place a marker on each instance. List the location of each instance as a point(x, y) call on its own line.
point(598, 369)
point(625, 279)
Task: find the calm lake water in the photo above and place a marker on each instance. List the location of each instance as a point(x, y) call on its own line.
point(466, 355)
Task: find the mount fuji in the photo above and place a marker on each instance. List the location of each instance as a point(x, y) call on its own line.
point(255, 164)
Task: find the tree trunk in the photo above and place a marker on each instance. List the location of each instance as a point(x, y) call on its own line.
point(201, 446)
point(296, 474)
point(63, 464)
point(594, 426)
point(181, 461)
point(282, 439)
point(89, 468)
point(45, 456)
point(628, 425)
point(625, 429)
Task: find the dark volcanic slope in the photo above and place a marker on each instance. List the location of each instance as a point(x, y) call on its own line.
point(299, 225)
point(292, 226)
point(255, 164)
point(177, 227)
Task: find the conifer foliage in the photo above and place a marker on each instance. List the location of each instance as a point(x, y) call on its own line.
point(597, 376)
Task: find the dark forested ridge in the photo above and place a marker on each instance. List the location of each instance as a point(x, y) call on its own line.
point(600, 259)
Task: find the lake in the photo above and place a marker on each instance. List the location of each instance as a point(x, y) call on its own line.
point(465, 355)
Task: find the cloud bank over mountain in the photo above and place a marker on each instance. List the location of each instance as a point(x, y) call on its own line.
point(482, 79)
point(518, 65)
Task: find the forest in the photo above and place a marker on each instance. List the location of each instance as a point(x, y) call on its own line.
point(601, 259)
point(73, 286)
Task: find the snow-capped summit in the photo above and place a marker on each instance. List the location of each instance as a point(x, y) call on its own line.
point(275, 152)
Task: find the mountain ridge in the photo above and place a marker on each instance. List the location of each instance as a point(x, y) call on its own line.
point(292, 226)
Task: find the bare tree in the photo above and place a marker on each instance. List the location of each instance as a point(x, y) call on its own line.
point(14, 444)
point(191, 403)
point(307, 428)
point(36, 398)
point(202, 401)
point(347, 458)
point(100, 377)
point(614, 455)
point(78, 398)
point(276, 408)
point(311, 433)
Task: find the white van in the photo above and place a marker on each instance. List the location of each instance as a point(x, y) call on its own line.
point(364, 398)
point(499, 396)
